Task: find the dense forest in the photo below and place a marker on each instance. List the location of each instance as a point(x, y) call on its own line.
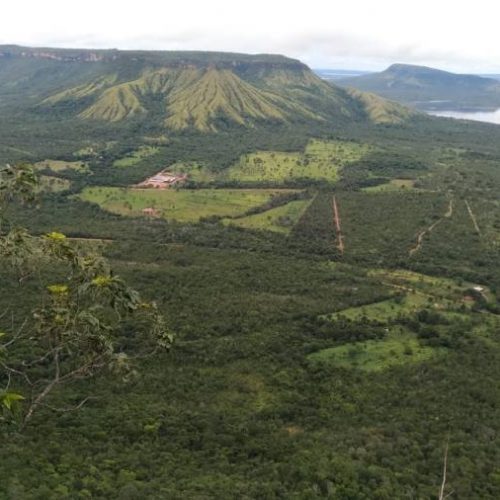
point(271, 331)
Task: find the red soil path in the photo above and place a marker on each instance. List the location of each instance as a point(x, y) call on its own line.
point(336, 221)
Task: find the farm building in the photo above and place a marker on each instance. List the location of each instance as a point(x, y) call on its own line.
point(162, 180)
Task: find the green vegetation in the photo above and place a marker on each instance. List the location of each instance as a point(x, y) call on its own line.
point(429, 88)
point(82, 90)
point(378, 110)
point(183, 205)
point(204, 92)
point(53, 184)
point(58, 166)
point(412, 292)
point(280, 219)
point(136, 156)
point(79, 319)
point(196, 171)
point(299, 370)
point(398, 348)
point(321, 160)
point(392, 185)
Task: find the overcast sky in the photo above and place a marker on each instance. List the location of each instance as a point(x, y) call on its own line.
point(359, 34)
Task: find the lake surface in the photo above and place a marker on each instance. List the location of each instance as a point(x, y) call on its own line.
point(479, 116)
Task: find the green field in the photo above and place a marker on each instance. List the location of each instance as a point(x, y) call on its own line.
point(195, 171)
point(413, 291)
point(393, 185)
point(184, 205)
point(280, 219)
point(49, 184)
point(321, 160)
point(384, 311)
point(136, 156)
point(60, 166)
point(397, 348)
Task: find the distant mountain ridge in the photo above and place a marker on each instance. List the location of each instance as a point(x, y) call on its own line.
point(425, 87)
point(205, 91)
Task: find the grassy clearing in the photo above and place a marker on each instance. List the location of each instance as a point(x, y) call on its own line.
point(443, 291)
point(183, 205)
point(280, 219)
point(136, 156)
point(321, 160)
point(393, 185)
point(384, 311)
point(60, 166)
point(196, 172)
point(49, 184)
point(265, 166)
point(399, 347)
point(413, 291)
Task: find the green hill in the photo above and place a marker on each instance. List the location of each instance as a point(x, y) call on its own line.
point(429, 88)
point(179, 90)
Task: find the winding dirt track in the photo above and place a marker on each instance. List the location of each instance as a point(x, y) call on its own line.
point(338, 229)
point(420, 236)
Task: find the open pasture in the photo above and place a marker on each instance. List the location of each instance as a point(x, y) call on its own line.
point(392, 185)
point(321, 160)
point(412, 292)
point(136, 156)
point(397, 348)
point(61, 166)
point(181, 205)
point(281, 219)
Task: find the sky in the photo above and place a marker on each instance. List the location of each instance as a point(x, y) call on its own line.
point(346, 34)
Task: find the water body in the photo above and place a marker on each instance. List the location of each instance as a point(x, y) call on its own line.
point(478, 116)
point(337, 74)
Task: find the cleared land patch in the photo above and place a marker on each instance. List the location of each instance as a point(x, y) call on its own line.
point(397, 348)
point(49, 184)
point(280, 219)
point(392, 185)
point(321, 160)
point(412, 292)
point(183, 205)
point(61, 165)
point(136, 156)
point(194, 171)
point(415, 294)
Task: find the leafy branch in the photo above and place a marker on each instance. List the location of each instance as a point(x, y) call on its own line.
point(77, 330)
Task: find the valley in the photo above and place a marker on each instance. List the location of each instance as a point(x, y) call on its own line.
point(327, 261)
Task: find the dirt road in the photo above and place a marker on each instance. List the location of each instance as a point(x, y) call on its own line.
point(420, 236)
point(338, 229)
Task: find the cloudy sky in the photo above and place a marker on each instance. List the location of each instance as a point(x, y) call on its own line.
point(360, 34)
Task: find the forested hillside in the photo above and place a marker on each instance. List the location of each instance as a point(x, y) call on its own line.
point(429, 88)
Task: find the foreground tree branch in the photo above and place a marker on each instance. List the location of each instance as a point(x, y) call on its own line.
point(77, 331)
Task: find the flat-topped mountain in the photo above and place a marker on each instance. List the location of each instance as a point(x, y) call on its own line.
point(205, 91)
point(428, 87)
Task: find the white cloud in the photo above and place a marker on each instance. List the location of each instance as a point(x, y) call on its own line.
point(323, 33)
